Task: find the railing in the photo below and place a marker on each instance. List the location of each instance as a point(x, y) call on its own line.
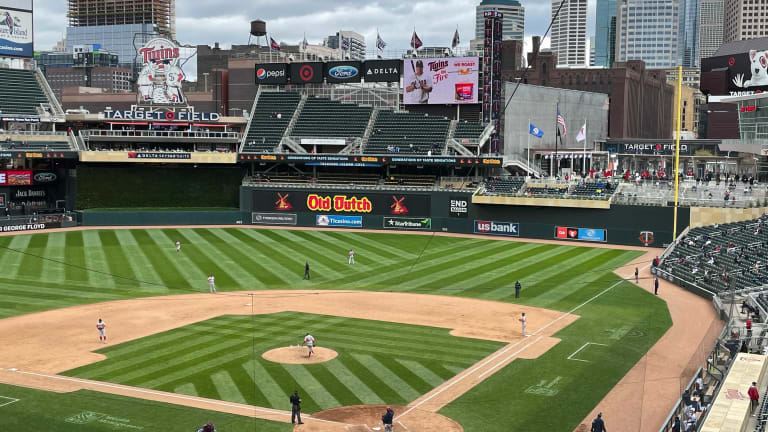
point(35, 218)
point(161, 134)
point(56, 107)
point(34, 133)
point(250, 119)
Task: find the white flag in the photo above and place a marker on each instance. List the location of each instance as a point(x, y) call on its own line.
point(582, 133)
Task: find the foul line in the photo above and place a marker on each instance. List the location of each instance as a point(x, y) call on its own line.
point(570, 357)
point(12, 400)
point(172, 395)
point(508, 358)
point(509, 347)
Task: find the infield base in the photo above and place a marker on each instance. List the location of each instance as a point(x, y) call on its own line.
point(298, 355)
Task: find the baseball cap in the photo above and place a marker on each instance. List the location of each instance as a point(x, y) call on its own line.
point(419, 63)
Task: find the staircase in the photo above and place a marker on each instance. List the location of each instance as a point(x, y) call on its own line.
point(369, 129)
point(517, 163)
point(250, 118)
point(295, 118)
point(449, 138)
point(55, 106)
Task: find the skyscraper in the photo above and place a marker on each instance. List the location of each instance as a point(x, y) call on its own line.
point(569, 32)
point(119, 26)
point(354, 48)
point(605, 33)
point(513, 21)
point(648, 30)
point(688, 33)
point(745, 19)
point(710, 27)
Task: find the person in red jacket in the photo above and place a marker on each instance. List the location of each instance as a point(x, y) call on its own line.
point(754, 396)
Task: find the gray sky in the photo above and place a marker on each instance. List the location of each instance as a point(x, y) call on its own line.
point(207, 21)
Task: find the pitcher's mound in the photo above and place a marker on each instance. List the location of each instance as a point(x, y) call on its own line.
point(368, 417)
point(298, 355)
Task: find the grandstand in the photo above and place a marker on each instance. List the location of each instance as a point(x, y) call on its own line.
point(468, 132)
point(271, 116)
point(712, 257)
point(325, 118)
point(20, 92)
point(36, 141)
point(409, 133)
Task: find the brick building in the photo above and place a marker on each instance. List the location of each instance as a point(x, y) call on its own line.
point(640, 99)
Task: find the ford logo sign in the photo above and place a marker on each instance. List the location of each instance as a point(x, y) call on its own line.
point(45, 177)
point(343, 72)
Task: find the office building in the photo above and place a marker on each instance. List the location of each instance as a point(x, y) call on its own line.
point(513, 22)
point(688, 40)
point(569, 32)
point(605, 34)
point(647, 30)
point(119, 26)
point(710, 27)
point(356, 49)
point(591, 60)
point(745, 19)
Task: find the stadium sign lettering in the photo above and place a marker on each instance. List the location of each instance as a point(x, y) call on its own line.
point(162, 116)
point(339, 203)
point(497, 228)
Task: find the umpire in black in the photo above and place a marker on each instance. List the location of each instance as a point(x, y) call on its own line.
point(296, 407)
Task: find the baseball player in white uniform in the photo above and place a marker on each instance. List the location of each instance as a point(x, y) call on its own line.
point(522, 320)
point(417, 91)
point(102, 327)
point(309, 341)
point(212, 283)
point(351, 259)
point(178, 246)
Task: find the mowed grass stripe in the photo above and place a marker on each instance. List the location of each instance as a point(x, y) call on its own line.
point(406, 249)
point(426, 374)
point(55, 251)
point(139, 262)
point(287, 273)
point(404, 390)
point(97, 259)
point(377, 330)
point(321, 396)
point(245, 384)
point(12, 261)
point(367, 256)
point(31, 266)
point(227, 388)
point(169, 275)
point(189, 269)
point(265, 381)
point(321, 258)
point(354, 383)
point(382, 388)
point(117, 261)
point(292, 263)
point(233, 250)
point(75, 257)
point(240, 276)
point(414, 380)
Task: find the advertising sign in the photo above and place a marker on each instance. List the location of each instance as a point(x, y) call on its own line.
point(373, 161)
point(747, 71)
point(343, 71)
point(29, 227)
point(159, 81)
point(407, 223)
point(272, 73)
point(449, 80)
point(339, 221)
point(15, 178)
point(15, 32)
point(183, 116)
point(193, 158)
point(585, 234)
point(650, 148)
point(459, 207)
point(307, 73)
point(45, 177)
point(341, 202)
point(511, 229)
point(382, 70)
point(273, 218)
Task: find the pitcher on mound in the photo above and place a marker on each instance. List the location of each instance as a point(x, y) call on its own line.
point(309, 341)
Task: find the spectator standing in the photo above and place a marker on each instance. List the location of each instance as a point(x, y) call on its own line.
point(754, 397)
point(676, 426)
point(598, 425)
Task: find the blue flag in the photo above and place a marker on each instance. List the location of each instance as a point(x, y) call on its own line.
point(533, 130)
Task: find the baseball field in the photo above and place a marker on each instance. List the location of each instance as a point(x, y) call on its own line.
point(424, 322)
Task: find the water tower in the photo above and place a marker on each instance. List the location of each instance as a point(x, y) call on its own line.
point(258, 29)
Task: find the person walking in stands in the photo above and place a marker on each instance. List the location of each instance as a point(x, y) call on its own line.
point(295, 407)
point(598, 425)
point(306, 270)
point(754, 397)
point(637, 275)
point(656, 286)
point(518, 287)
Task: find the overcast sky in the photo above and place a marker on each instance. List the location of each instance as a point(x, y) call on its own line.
point(227, 22)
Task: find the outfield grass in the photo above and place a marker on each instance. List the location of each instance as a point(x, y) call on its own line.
point(378, 362)
point(135, 263)
point(143, 262)
point(87, 411)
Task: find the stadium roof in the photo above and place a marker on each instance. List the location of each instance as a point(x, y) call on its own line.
point(741, 46)
point(500, 3)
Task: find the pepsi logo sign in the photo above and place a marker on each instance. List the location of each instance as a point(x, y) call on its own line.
point(262, 73)
point(343, 72)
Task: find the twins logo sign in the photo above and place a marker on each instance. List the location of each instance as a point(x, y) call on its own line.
point(497, 228)
point(646, 238)
point(160, 78)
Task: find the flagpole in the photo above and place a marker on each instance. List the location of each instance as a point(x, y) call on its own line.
point(584, 155)
point(528, 156)
point(557, 128)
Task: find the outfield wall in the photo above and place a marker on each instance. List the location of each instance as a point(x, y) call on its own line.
point(455, 212)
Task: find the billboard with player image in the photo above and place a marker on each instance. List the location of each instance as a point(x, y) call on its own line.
point(448, 80)
point(16, 34)
point(160, 79)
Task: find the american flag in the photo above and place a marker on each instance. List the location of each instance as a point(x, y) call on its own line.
point(273, 45)
point(561, 121)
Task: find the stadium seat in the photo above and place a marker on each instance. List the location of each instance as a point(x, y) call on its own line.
point(20, 93)
point(322, 117)
point(508, 186)
point(407, 133)
point(267, 129)
point(468, 131)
